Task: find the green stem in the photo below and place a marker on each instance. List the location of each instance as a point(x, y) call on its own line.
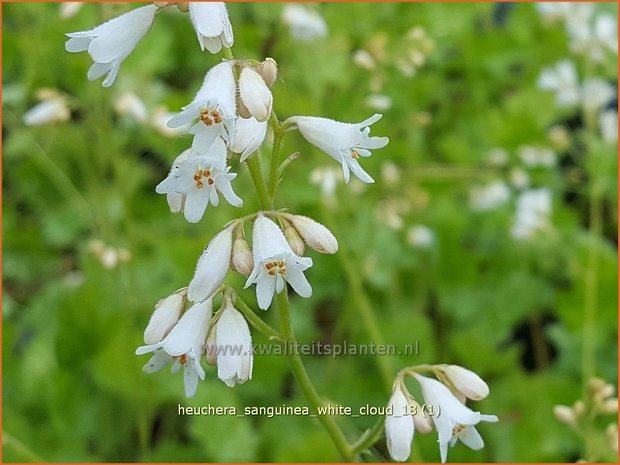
point(369, 437)
point(257, 322)
point(20, 448)
point(298, 369)
point(275, 155)
point(259, 182)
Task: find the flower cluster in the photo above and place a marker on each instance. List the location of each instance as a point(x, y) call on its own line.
point(445, 409)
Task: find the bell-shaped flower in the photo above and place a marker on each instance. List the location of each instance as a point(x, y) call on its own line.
point(213, 28)
point(399, 425)
point(344, 142)
point(451, 416)
point(247, 137)
point(214, 107)
point(314, 233)
point(255, 94)
point(110, 43)
point(164, 317)
point(176, 201)
point(275, 263)
point(199, 178)
point(212, 267)
point(466, 382)
point(232, 343)
point(183, 344)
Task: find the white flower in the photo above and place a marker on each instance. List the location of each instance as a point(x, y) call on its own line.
point(213, 28)
point(52, 110)
point(110, 43)
point(233, 346)
point(453, 420)
point(519, 178)
point(70, 9)
point(420, 236)
point(304, 24)
point(399, 426)
point(214, 106)
point(159, 120)
point(608, 124)
point(596, 94)
point(212, 267)
point(533, 157)
point(489, 197)
point(379, 102)
point(183, 344)
point(176, 201)
point(199, 178)
point(344, 142)
point(561, 79)
point(314, 233)
point(247, 137)
point(327, 179)
point(131, 105)
point(594, 39)
point(164, 317)
point(466, 382)
point(255, 94)
point(533, 212)
point(275, 263)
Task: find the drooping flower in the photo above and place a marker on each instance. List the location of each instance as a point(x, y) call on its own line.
point(275, 263)
point(453, 420)
point(561, 79)
point(212, 267)
point(314, 234)
point(199, 178)
point(131, 105)
point(52, 110)
point(399, 425)
point(232, 343)
point(344, 142)
point(111, 42)
point(489, 197)
point(247, 137)
point(164, 317)
point(214, 108)
point(213, 28)
point(183, 344)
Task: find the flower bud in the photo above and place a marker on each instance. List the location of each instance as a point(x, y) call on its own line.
point(183, 7)
point(423, 423)
point(242, 261)
point(211, 348)
point(294, 239)
point(565, 414)
point(317, 236)
point(466, 382)
point(268, 70)
point(212, 267)
point(255, 94)
point(164, 317)
point(399, 426)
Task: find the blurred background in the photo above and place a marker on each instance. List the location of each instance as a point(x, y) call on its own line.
point(489, 237)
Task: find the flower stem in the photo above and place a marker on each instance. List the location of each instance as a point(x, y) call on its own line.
point(10, 441)
point(369, 437)
point(298, 369)
point(257, 322)
point(275, 155)
point(259, 182)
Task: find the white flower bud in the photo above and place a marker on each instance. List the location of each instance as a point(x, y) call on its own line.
point(466, 382)
point(211, 348)
point(54, 110)
point(242, 261)
point(317, 236)
point(399, 426)
point(565, 414)
point(423, 423)
point(268, 70)
point(212, 267)
point(294, 239)
point(164, 317)
point(255, 94)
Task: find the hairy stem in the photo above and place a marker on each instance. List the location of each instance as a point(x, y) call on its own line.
point(257, 322)
point(259, 182)
point(275, 155)
point(298, 369)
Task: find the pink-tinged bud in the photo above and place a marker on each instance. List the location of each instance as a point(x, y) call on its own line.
point(565, 414)
point(294, 239)
point(317, 236)
point(255, 94)
point(268, 70)
point(165, 316)
point(466, 382)
point(242, 261)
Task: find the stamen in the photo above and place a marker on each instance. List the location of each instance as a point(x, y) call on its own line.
point(183, 359)
point(355, 154)
point(457, 430)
